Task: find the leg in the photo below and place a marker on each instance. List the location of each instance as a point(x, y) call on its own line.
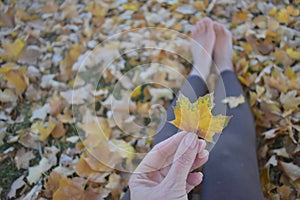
point(195, 85)
point(232, 170)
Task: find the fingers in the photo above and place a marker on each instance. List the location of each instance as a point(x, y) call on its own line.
point(157, 157)
point(202, 156)
point(183, 159)
point(193, 180)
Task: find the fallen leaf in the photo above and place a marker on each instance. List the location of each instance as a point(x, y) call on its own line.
point(114, 185)
point(13, 50)
point(96, 9)
point(70, 189)
point(290, 100)
point(40, 113)
point(52, 183)
point(283, 16)
point(290, 169)
point(17, 184)
point(18, 80)
point(234, 101)
point(134, 6)
point(293, 54)
point(197, 117)
point(22, 158)
point(36, 172)
point(43, 130)
point(8, 96)
point(59, 130)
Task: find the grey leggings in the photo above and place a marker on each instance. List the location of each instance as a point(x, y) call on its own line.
point(231, 172)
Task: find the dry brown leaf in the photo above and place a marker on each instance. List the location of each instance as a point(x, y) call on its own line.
point(52, 184)
point(59, 130)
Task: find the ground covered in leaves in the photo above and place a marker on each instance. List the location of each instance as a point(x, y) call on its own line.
point(45, 153)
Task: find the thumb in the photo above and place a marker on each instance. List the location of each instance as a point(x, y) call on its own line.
point(184, 159)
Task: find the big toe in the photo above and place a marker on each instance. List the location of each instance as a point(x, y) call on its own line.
point(198, 30)
point(209, 25)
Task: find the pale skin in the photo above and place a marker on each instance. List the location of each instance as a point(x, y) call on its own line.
point(167, 171)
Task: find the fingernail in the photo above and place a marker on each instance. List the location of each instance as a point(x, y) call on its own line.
point(190, 140)
point(203, 154)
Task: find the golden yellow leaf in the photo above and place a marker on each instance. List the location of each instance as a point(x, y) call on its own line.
point(17, 80)
point(43, 130)
point(283, 16)
point(293, 54)
point(5, 69)
point(124, 149)
point(136, 92)
point(70, 189)
point(131, 6)
point(197, 117)
point(292, 78)
point(293, 11)
point(13, 50)
point(247, 47)
point(273, 11)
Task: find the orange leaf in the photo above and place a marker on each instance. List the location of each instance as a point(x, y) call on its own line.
point(197, 117)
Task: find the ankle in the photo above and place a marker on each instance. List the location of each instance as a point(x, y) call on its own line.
point(201, 73)
point(225, 68)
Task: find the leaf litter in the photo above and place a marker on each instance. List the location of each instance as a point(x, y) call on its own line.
point(42, 45)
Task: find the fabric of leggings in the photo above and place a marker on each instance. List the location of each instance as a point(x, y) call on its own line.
point(231, 172)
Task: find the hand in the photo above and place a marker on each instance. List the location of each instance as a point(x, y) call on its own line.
point(166, 171)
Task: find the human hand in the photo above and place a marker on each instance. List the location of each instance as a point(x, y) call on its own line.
point(166, 171)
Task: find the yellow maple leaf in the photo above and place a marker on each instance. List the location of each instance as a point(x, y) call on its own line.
point(197, 117)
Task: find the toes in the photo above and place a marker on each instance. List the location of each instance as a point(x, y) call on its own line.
point(223, 29)
point(217, 27)
point(201, 27)
point(209, 25)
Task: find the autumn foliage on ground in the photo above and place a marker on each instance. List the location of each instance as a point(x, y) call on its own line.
point(45, 153)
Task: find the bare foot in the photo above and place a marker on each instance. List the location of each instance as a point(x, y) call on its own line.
point(223, 48)
point(204, 35)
